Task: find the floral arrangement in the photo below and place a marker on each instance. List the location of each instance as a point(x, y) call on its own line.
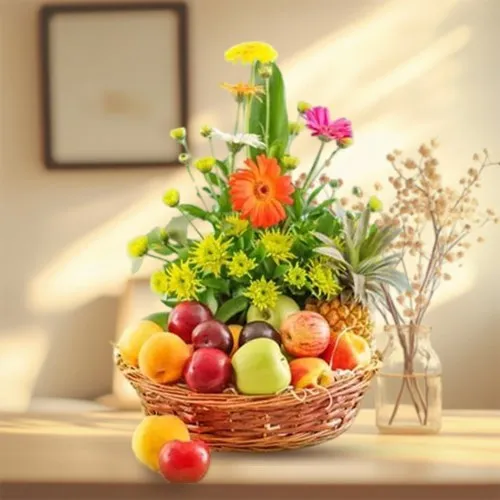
point(263, 240)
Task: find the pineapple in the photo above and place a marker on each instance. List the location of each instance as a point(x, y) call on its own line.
point(364, 270)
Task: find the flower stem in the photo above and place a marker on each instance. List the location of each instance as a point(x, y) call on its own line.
point(152, 255)
point(291, 138)
point(311, 172)
point(237, 123)
point(188, 168)
point(325, 164)
point(190, 222)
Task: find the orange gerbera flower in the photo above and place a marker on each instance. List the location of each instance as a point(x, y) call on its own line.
point(260, 191)
point(241, 90)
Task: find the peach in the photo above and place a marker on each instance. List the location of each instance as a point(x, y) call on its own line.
point(133, 338)
point(163, 357)
point(310, 372)
point(347, 351)
point(305, 334)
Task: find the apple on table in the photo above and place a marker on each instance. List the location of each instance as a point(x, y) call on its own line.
point(184, 462)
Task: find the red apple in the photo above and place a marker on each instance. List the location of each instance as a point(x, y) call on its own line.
point(347, 351)
point(184, 462)
point(305, 334)
point(208, 370)
point(213, 333)
point(185, 317)
point(310, 372)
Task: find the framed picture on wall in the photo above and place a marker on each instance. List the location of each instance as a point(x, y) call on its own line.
point(114, 82)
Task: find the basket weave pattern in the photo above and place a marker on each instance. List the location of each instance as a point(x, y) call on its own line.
point(233, 422)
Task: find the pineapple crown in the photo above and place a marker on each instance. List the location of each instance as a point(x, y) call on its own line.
point(363, 267)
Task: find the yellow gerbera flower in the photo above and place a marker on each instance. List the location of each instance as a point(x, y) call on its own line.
point(242, 90)
point(210, 254)
point(250, 52)
point(277, 245)
point(240, 265)
point(183, 281)
point(237, 226)
point(262, 293)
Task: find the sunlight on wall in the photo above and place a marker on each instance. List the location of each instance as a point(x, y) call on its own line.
point(97, 264)
point(22, 353)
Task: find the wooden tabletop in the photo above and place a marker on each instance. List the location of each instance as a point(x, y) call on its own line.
point(89, 456)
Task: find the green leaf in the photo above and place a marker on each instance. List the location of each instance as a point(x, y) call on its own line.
point(218, 284)
point(208, 298)
point(161, 249)
point(259, 253)
point(298, 203)
point(223, 167)
point(315, 193)
point(169, 301)
point(177, 229)
point(362, 228)
point(155, 236)
point(231, 308)
point(277, 149)
point(136, 264)
point(278, 122)
point(328, 225)
point(280, 270)
point(194, 211)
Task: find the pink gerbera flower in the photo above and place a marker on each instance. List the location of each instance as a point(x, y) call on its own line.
point(318, 120)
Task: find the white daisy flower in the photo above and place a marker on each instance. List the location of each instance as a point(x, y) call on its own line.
point(252, 140)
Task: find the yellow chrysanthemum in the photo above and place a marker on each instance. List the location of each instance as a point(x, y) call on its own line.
point(262, 293)
point(240, 265)
point(250, 52)
point(171, 198)
point(242, 90)
point(322, 279)
point(159, 282)
point(137, 247)
point(183, 281)
point(296, 276)
point(210, 254)
point(205, 165)
point(236, 225)
point(277, 245)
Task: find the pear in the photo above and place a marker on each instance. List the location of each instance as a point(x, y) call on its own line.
point(261, 368)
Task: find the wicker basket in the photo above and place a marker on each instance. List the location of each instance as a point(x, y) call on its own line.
point(232, 422)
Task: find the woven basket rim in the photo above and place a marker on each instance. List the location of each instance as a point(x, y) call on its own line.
point(182, 390)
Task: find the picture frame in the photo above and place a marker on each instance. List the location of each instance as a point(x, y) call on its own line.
point(114, 81)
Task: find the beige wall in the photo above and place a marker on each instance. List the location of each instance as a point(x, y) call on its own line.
point(402, 70)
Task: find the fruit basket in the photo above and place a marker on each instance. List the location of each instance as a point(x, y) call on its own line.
point(266, 339)
point(233, 422)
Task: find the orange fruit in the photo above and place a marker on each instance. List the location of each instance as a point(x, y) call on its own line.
point(235, 332)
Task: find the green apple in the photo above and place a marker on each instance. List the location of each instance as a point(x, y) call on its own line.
point(275, 316)
point(261, 368)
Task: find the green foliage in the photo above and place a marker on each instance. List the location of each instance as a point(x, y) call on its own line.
point(278, 116)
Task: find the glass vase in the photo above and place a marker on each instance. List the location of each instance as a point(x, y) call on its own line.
point(408, 385)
